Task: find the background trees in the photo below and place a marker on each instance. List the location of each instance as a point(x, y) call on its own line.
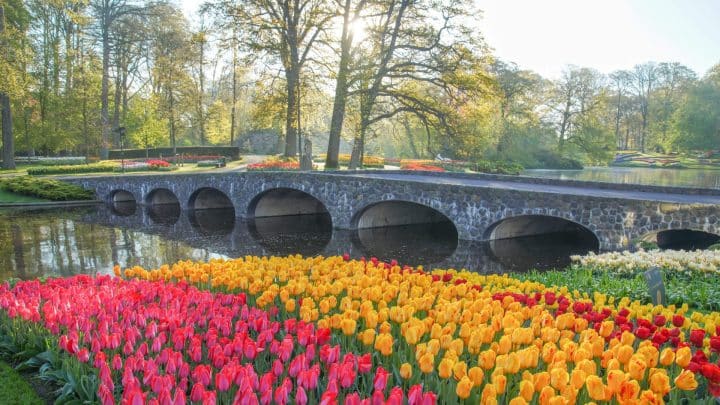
point(394, 77)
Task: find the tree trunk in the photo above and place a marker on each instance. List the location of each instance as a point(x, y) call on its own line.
point(201, 112)
point(291, 114)
point(341, 90)
point(104, 113)
point(171, 102)
point(234, 89)
point(7, 135)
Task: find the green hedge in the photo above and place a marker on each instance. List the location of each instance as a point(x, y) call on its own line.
point(45, 188)
point(231, 152)
point(91, 168)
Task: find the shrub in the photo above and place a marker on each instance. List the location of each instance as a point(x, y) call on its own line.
point(45, 188)
point(52, 161)
point(90, 168)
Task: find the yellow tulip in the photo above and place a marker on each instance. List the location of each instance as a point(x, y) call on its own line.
point(683, 356)
point(486, 360)
point(686, 381)
point(527, 390)
point(624, 353)
point(636, 367)
point(427, 363)
point(596, 388)
point(500, 382)
point(459, 370)
point(445, 368)
point(384, 344)
point(348, 326)
point(660, 383)
point(545, 395)
point(667, 357)
point(290, 305)
point(559, 378)
point(405, 371)
point(518, 401)
point(577, 378)
point(463, 388)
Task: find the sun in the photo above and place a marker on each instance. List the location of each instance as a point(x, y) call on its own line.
point(358, 30)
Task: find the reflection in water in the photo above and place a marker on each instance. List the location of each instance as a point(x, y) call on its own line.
point(703, 178)
point(292, 234)
point(123, 208)
point(91, 240)
point(164, 214)
point(409, 244)
point(541, 252)
point(214, 221)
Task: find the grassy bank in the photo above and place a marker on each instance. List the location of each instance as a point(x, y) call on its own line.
point(14, 389)
point(7, 197)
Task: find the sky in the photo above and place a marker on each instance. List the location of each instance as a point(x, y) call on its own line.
point(547, 35)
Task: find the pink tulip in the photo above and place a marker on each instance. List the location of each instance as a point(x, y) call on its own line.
point(381, 378)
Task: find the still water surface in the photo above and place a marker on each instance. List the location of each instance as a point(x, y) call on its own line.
point(91, 240)
point(707, 178)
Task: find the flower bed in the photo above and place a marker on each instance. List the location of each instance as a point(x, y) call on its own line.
point(421, 166)
point(52, 161)
point(73, 169)
point(274, 165)
point(344, 160)
point(674, 261)
point(145, 165)
point(331, 330)
point(193, 158)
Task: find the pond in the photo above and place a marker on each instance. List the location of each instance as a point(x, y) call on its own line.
point(64, 242)
point(700, 178)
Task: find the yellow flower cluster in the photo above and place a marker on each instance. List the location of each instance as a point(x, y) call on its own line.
point(453, 326)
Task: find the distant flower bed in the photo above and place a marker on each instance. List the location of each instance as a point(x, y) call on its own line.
point(677, 261)
point(275, 165)
point(74, 169)
point(150, 164)
point(421, 167)
point(192, 158)
point(368, 160)
point(52, 161)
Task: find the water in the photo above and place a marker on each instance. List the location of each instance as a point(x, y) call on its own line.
point(65, 242)
point(702, 178)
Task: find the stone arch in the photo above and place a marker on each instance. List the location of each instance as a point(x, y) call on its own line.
point(121, 196)
point(395, 213)
point(285, 201)
point(683, 238)
point(122, 202)
point(533, 225)
point(209, 198)
point(161, 196)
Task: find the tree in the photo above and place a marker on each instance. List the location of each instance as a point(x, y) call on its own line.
point(673, 82)
point(645, 78)
point(287, 31)
point(620, 80)
point(412, 41)
point(107, 12)
point(698, 119)
point(11, 48)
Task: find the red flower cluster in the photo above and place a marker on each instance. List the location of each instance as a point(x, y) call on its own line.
point(421, 167)
point(154, 163)
point(159, 343)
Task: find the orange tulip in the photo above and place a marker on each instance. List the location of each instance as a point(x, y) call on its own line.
point(486, 360)
point(615, 378)
point(527, 390)
point(636, 367)
point(629, 392)
point(624, 353)
point(348, 326)
point(459, 370)
point(559, 378)
point(518, 401)
point(500, 382)
point(542, 380)
point(545, 395)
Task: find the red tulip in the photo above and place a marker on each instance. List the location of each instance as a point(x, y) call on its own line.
point(222, 382)
point(300, 396)
point(197, 393)
point(697, 336)
point(378, 398)
point(364, 363)
point(678, 320)
point(715, 343)
point(381, 378)
point(415, 395)
point(429, 398)
point(329, 398)
point(642, 332)
point(347, 375)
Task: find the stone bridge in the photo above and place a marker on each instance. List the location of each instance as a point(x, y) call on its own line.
point(480, 207)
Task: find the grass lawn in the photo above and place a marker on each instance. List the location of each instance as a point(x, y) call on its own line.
point(14, 389)
point(7, 197)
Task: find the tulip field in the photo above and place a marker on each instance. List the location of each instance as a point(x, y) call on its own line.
point(262, 330)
